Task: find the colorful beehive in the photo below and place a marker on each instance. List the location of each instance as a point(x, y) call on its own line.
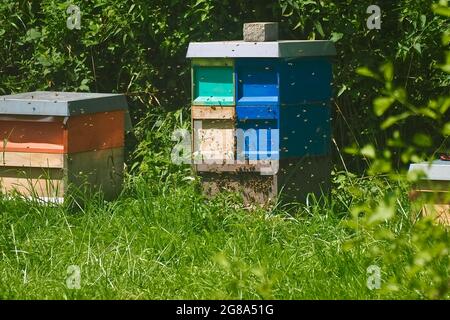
point(261, 116)
point(55, 141)
point(434, 188)
point(213, 110)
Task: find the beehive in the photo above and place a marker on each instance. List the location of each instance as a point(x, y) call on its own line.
point(213, 113)
point(434, 188)
point(56, 141)
point(273, 98)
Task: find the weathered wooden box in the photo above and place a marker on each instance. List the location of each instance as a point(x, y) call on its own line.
point(433, 189)
point(213, 140)
point(213, 113)
point(56, 141)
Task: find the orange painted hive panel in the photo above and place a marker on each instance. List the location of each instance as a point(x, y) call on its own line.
point(97, 131)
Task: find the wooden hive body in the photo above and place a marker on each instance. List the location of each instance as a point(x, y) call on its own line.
point(433, 189)
point(281, 119)
point(55, 142)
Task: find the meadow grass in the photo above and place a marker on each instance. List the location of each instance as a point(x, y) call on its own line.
point(163, 240)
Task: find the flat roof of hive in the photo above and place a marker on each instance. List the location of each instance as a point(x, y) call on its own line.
point(50, 103)
point(436, 170)
point(269, 49)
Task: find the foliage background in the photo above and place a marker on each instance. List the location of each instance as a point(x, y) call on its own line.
point(179, 242)
point(138, 47)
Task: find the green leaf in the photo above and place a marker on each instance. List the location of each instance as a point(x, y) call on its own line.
point(394, 119)
point(32, 35)
point(400, 95)
point(422, 140)
point(380, 166)
point(341, 90)
point(83, 88)
point(388, 71)
point(353, 150)
point(284, 7)
point(382, 213)
point(14, 25)
point(423, 20)
point(381, 104)
point(319, 28)
point(44, 61)
point(446, 129)
point(368, 151)
point(446, 38)
point(366, 72)
point(298, 25)
point(198, 3)
point(446, 67)
point(427, 112)
point(445, 105)
point(336, 36)
point(418, 47)
point(442, 10)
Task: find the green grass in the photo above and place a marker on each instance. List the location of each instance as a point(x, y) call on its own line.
point(164, 240)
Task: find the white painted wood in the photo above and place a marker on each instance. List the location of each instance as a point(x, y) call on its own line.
point(272, 49)
point(214, 141)
point(436, 170)
point(46, 103)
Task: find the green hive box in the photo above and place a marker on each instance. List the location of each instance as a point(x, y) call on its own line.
point(213, 82)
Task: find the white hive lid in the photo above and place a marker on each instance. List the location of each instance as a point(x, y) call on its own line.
point(47, 103)
point(435, 170)
point(267, 49)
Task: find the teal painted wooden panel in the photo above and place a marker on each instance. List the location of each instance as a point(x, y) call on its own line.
point(305, 80)
point(305, 130)
point(213, 85)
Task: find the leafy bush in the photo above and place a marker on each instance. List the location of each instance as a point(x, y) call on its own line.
point(409, 37)
point(138, 48)
point(425, 274)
